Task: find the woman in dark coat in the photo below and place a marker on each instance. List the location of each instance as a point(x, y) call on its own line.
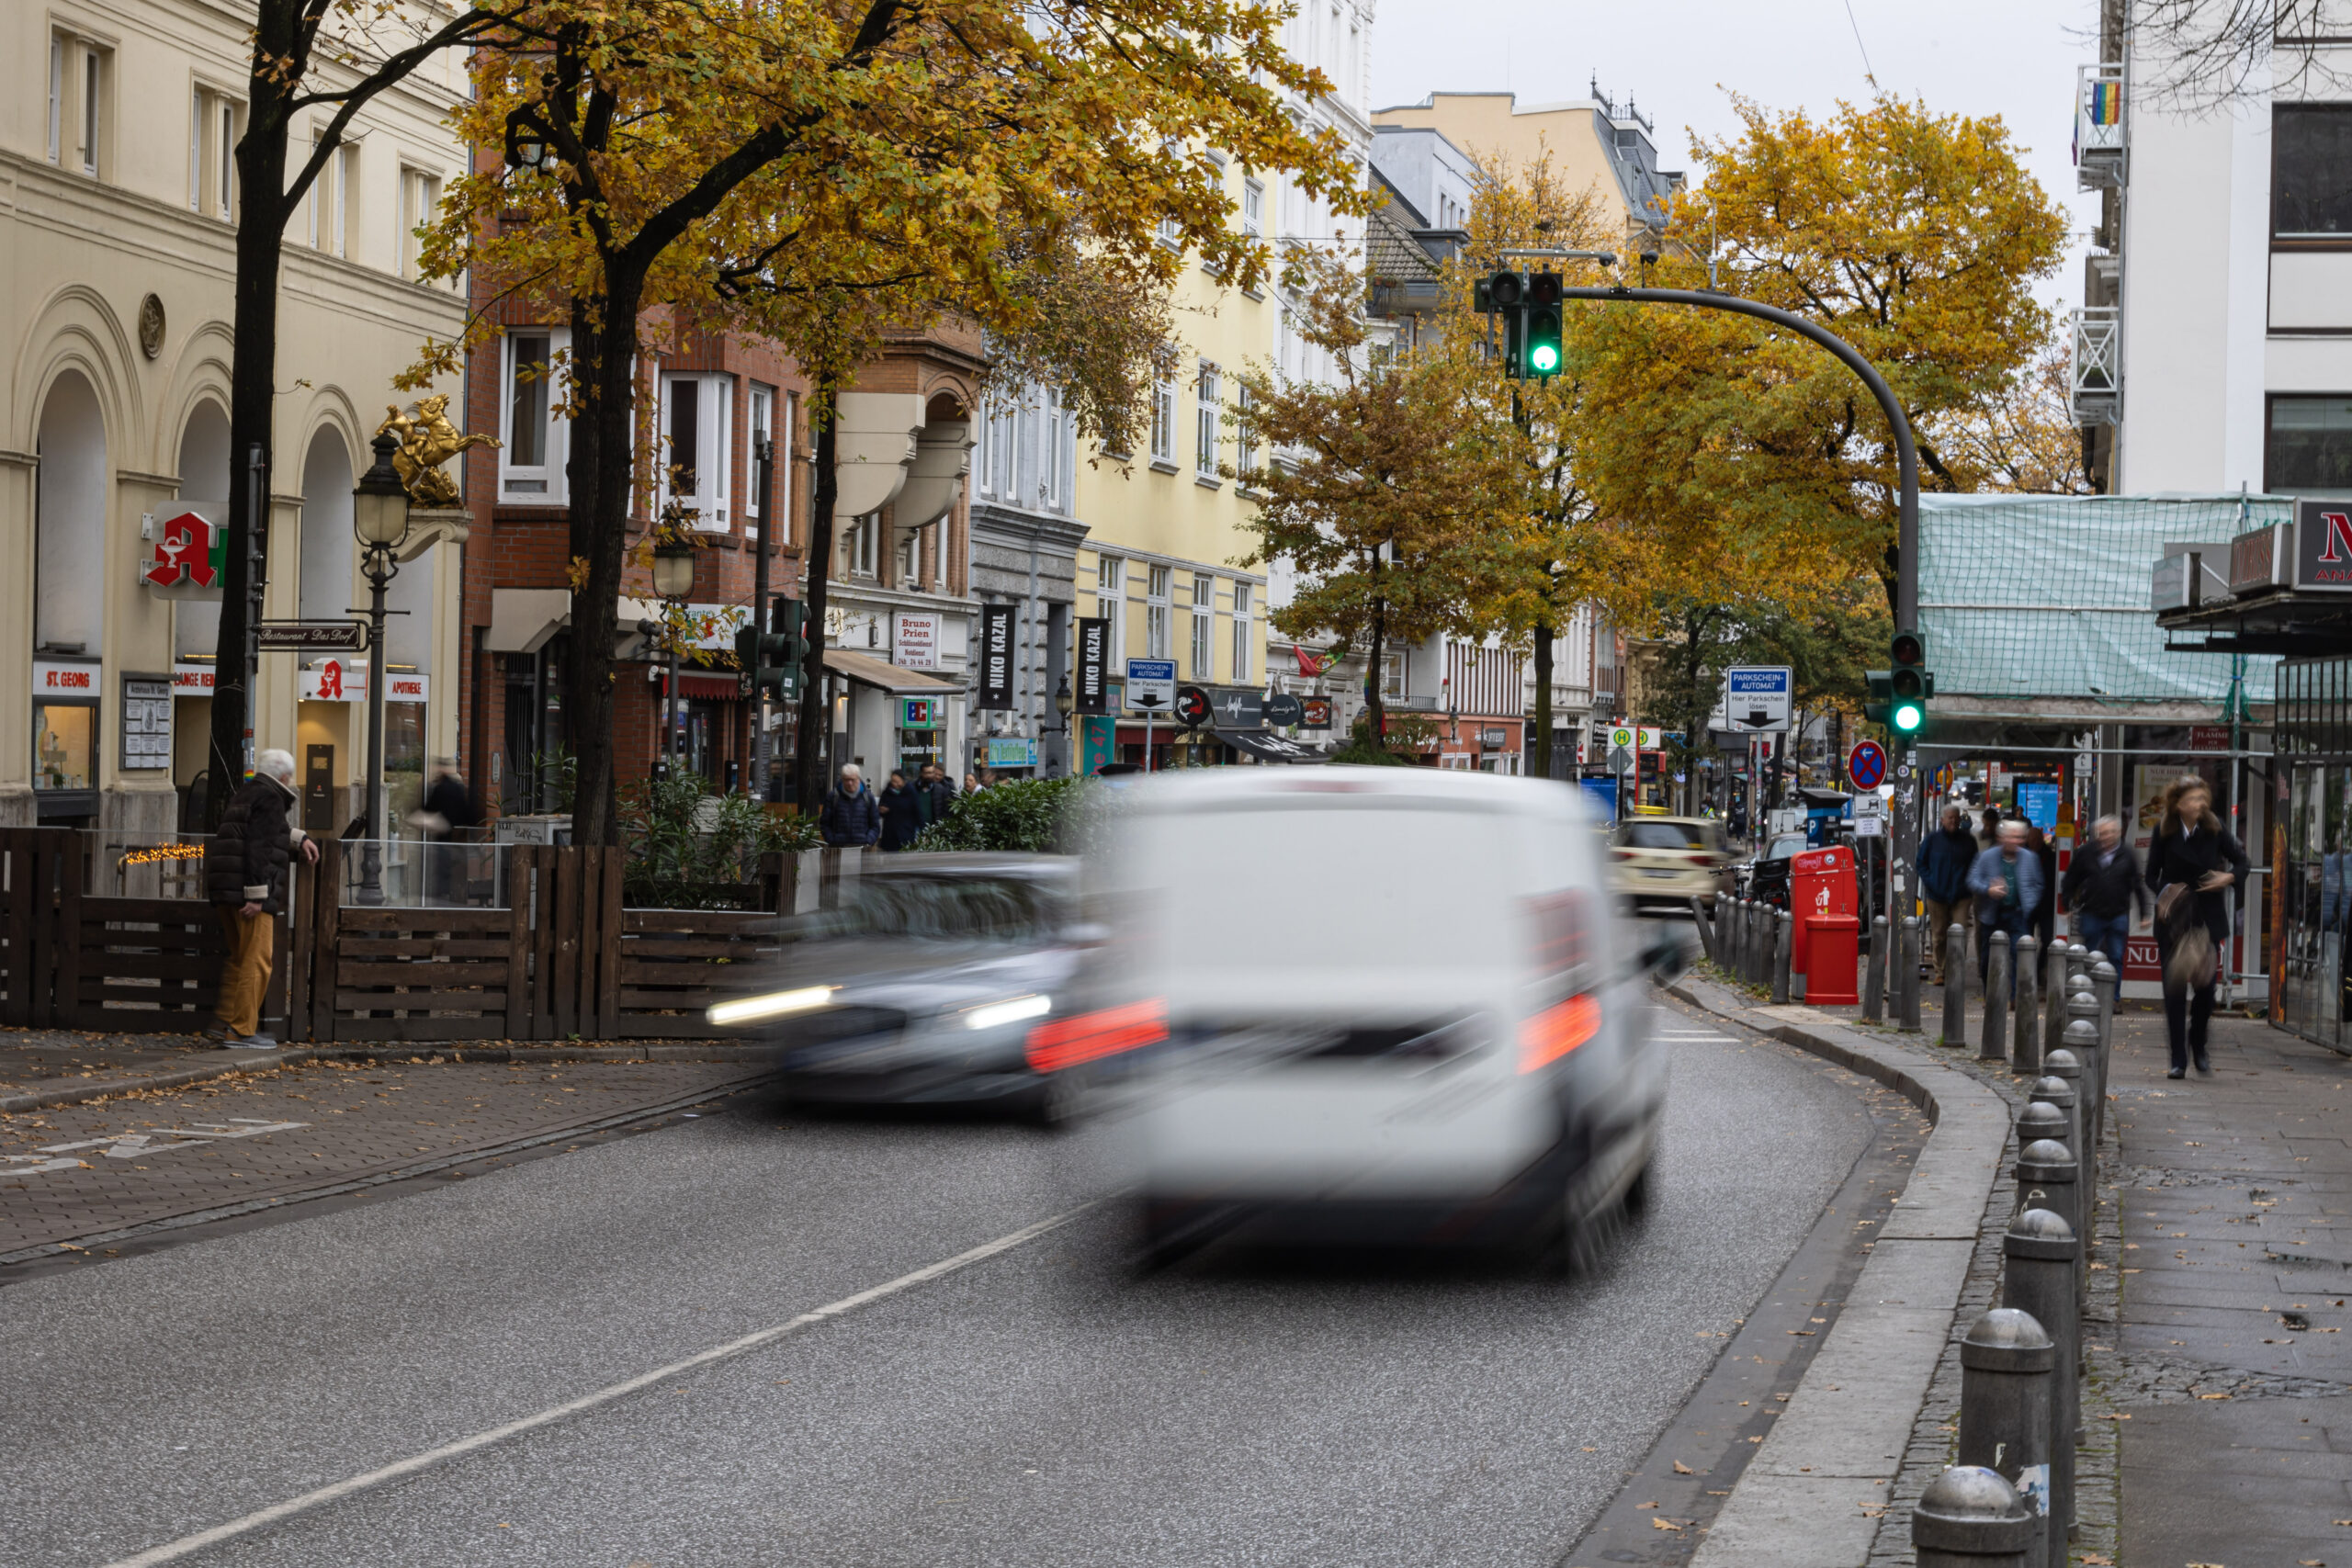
point(2045, 920)
point(2194, 855)
point(900, 820)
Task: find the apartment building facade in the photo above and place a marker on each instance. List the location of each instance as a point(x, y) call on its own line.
point(116, 267)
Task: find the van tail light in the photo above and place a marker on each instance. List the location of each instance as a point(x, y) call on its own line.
point(1559, 1030)
point(1090, 1036)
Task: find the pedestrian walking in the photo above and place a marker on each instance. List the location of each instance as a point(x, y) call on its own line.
point(2006, 880)
point(2104, 889)
point(245, 864)
point(447, 816)
point(2192, 865)
point(935, 795)
point(1990, 838)
point(901, 818)
point(849, 816)
point(1946, 857)
point(2045, 919)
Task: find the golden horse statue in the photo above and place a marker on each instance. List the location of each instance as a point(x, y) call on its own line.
point(427, 440)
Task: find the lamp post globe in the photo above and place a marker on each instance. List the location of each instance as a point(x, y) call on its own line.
point(673, 570)
point(379, 502)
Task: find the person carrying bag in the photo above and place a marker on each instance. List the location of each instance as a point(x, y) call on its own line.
point(2192, 865)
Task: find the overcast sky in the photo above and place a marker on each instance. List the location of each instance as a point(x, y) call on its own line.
point(1680, 60)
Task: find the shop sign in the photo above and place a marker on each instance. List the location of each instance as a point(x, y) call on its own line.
point(1491, 738)
point(146, 722)
point(401, 688)
point(188, 556)
point(922, 713)
point(2322, 546)
point(1238, 710)
point(2209, 737)
point(1091, 688)
point(1283, 709)
point(333, 681)
point(1012, 751)
point(1314, 713)
point(306, 636)
point(915, 641)
point(996, 657)
point(54, 680)
point(192, 680)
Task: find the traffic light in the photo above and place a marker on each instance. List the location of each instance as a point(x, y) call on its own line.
point(784, 651)
point(1505, 294)
point(1909, 685)
point(1540, 334)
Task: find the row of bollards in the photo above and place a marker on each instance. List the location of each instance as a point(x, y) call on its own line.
point(2009, 1502)
point(1753, 940)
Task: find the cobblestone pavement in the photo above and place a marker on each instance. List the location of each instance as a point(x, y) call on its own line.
point(69, 1173)
point(41, 1058)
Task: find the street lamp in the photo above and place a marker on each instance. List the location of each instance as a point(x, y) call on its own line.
point(379, 520)
point(1066, 705)
point(673, 580)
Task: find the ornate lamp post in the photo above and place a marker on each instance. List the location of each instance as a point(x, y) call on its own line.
point(379, 520)
point(673, 580)
point(1066, 705)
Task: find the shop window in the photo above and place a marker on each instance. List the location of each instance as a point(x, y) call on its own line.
point(2310, 444)
point(65, 746)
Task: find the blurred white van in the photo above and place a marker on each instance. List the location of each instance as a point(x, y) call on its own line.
point(1370, 1002)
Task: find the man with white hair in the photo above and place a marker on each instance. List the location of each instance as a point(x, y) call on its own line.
point(852, 817)
point(245, 874)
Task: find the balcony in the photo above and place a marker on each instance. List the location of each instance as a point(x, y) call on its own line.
point(2095, 380)
point(2098, 126)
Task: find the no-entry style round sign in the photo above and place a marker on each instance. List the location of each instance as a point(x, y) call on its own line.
point(1866, 764)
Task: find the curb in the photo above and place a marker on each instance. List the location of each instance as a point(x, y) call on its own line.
point(1841, 1440)
point(228, 1063)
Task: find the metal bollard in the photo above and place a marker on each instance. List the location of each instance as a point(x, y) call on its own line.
point(2078, 963)
point(2053, 994)
point(2082, 1044)
point(2039, 1278)
point(2064, 1066)
point(1783, 929)
point(1907, 977)
point(2007, 1411)
point(2026, 1050)
point(1992, 1043)
point(1969, 1518)
point(2046, 1180)
point(2108, 985)
point(2045, 1119)
point(1875, 973)
point(1729, 936)
point(1751, 923)
point(1955, 985)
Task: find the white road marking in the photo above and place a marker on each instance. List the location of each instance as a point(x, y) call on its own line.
point(137, 1146)
point(171, 1551)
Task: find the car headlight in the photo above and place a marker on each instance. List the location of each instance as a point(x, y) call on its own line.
point(774, 1004)
point(1013, 1010)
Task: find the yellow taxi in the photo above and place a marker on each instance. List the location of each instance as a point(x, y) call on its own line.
point(1660, 862)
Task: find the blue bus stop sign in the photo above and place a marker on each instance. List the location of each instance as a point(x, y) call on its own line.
point(1866, 765)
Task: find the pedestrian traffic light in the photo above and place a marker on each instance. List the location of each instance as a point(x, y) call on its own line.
point(784, 651)
point(1909, 685)
point(1540, 334)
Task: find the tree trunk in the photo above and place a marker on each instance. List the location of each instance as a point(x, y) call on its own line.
point(602, 486)
point(817, 563)
point(252, 395)
point(1539, 750)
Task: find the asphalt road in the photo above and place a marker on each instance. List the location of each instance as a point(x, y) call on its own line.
point(1037, 1406)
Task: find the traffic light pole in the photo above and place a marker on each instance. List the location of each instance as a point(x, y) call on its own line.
point(1905, 825)
point(760, 739)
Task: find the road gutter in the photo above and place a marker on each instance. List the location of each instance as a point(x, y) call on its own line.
point(1817, 1487)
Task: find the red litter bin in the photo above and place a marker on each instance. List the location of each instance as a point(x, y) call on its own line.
point(1822, 895)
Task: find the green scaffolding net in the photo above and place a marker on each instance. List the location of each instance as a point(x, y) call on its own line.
point(2047, 596)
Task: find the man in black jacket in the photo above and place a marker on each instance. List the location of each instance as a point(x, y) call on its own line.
point(2102, 885)
point(851, 817)
point(244, 875)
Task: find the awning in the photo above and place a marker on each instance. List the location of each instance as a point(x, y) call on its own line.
point(868, 671)
point(699, 684)
point(1268, 748)
point(523, 619)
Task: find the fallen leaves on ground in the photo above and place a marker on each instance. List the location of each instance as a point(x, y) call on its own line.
point(1665, 1525)
point(1682, 1469)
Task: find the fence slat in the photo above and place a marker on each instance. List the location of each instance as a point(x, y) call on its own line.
point(326, 930)
point(519, 1016)
point(608, 953)
point(66, 1007)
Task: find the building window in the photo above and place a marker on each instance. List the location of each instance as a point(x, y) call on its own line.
point(80, 77)
point(1245, 433)
point(698, 456)
point(93, 100)
point(864, 545)
point(763, 423)
point(56, 96)
point(1204, 627)
point(1110, 604)
point(1163, 421)
point(224, 182)
point(1242, 657)
point(909, 566)
point(330, 199)
point(420, 196)
point(1392, 677)
point(2310, 444)
point(1156, 612)
point(1253, 208)
point(1170, 234)
point(1205, 417)
point(1049, 453)
point(530, 464)
point(2310, 146)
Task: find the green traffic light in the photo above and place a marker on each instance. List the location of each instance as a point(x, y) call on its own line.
point(1544, 358)
point(1908, 717)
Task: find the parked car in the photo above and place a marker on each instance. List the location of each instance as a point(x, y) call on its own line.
point(1666, 862)
point(1446, 1041)
point(923, 987)
point(1768, 874)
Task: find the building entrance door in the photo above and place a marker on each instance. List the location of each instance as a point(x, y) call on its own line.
point(318, 792)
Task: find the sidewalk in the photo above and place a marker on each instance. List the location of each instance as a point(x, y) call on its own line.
point(2234, 1361)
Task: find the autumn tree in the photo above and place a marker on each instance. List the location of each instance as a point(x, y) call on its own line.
point(308, 56)
point(2022, 437)
point(1387, 490)
point(821, 171)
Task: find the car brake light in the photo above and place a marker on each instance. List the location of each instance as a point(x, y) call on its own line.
point(1090, 1036)
point(1559, 1030)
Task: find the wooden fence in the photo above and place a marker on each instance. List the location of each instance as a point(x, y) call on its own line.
point(563, 961)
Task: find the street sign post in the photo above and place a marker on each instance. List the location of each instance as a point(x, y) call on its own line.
point(1756, 698)
point(311, 637)
point(1151, 686)
point(1866, 765)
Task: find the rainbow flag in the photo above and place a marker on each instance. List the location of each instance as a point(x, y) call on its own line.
point(2107, 103)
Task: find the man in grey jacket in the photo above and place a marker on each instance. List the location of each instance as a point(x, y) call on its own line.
point(2006, 880)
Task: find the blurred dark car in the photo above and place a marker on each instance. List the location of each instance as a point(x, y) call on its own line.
point(922, 988)
point(1768, 874)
